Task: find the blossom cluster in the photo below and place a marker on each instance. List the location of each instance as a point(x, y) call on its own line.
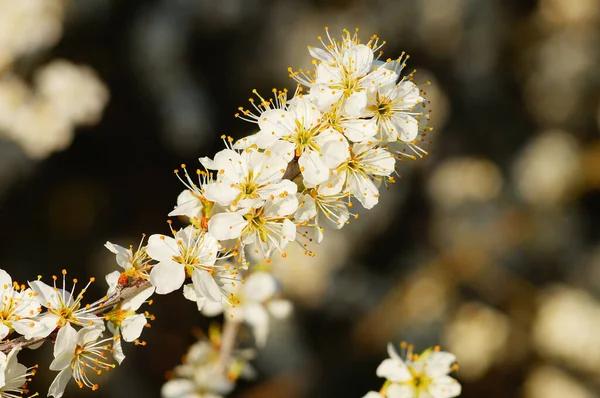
point(77, 328)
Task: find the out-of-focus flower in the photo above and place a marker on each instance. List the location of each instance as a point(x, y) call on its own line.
point(39, 130)
point(202, 375)
point(27, 26)
point(575, 12)
point(478, 336)
point(463, 180)
point(75, 92)
point(551, 382)
point(566, 328)
point(255, 302)
point(548, 169)
point(13, 95)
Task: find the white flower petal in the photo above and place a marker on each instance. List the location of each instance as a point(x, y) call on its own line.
point(112, 280)
point(312, 167)
point(5, 279)
point(323, 96)
point(358, 60)
point(439, 363)
point(167, 276)
point(162, 248)
point(187, 205)
point(118, 353)
point(358, 130)
point(444, 387)
point(46, 295)
point(260, 286)
point(225, 226)
point(257, 317)
point(320, 54)
point(280, 309)
point(393, 370)
point(356, 104)
point(178, 388)
point(206, 285)
point(221, 192)
point(136, 301)
point(132, 327)
point(3, 331)
point(57, 388)
point(400, 391)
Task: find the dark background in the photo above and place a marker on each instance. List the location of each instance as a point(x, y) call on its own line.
point(489, 246)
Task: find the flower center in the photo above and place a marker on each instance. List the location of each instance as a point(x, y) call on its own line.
point(304, 138)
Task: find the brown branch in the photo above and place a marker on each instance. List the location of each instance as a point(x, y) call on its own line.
point(228, 338)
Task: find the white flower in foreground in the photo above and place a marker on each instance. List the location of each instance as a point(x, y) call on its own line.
point(191, 202)
point(246, 176)
point(268, 228)
point(135, 265)
point(191, 253)
point(419, 376)
point(315, 204)
point(75, 353)
point(367, 164)
point(13, 375)
point(123, 322)
point(392, 107)
point(19, 309)
point(63, 307)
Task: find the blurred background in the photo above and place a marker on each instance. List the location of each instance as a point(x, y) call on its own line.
point(490, 246)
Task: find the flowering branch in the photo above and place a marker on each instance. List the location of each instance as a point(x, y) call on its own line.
point(312, 155)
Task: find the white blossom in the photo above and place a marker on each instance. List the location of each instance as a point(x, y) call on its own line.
point(62, 307)
point(124, 323)
point(13, 375)
point(368, 164)
point(19, 310)
point(315, 205)
point(393, 108)
point(266, 228)
point(78, 352)
point(191, 253)
point(135, 265)
point(244, 178)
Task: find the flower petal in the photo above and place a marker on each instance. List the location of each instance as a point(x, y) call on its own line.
point(167, 276)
